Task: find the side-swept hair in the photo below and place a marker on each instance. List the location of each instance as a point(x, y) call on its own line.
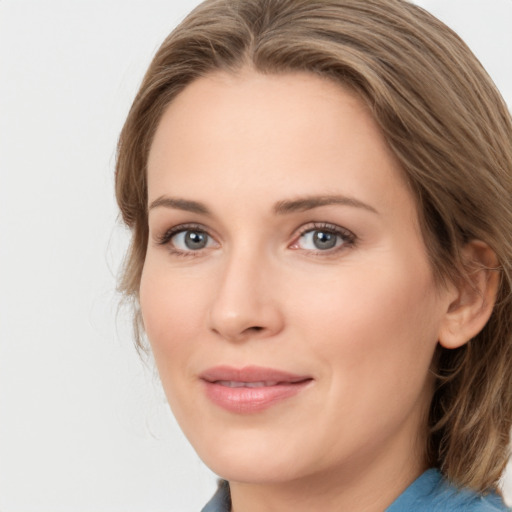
point(446, 122)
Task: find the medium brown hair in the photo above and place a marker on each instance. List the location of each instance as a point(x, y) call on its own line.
point(445, 121)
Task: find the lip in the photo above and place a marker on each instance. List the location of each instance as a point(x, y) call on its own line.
point(251, 388)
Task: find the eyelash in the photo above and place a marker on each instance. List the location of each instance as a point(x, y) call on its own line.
point(348, 238)
point(170, 233)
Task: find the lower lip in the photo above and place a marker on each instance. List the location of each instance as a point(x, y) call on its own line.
point(248, 400)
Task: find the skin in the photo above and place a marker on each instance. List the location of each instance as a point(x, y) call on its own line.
point(362, 319)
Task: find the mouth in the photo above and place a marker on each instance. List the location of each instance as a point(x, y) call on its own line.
point(251, 389)
point(237, 384)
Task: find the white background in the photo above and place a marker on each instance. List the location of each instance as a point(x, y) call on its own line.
point(83, 423)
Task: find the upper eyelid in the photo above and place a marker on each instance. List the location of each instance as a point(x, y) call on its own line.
point(169, 233)
point(327, 226)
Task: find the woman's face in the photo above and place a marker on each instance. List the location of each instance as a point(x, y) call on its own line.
point(286, 292)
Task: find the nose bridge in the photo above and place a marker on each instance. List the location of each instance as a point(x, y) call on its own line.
point(244, 304)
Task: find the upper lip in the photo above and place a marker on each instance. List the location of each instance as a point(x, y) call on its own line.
point(251, 374)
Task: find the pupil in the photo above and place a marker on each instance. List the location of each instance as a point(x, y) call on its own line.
point(195, 240)
point(323, 240)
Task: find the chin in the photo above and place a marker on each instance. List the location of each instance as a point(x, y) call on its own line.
point(252, 463)
point(244, 471)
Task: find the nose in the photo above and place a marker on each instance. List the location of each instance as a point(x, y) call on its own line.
point(246, 305)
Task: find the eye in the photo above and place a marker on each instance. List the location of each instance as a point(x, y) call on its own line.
point(323, 238)
point(190, 240)
point(186, 240)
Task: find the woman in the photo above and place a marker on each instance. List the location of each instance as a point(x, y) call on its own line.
point(320, 196)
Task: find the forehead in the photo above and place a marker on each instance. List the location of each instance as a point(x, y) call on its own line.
point(224, 107)
point(275, 135)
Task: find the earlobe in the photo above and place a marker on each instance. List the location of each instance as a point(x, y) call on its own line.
point(476, 295)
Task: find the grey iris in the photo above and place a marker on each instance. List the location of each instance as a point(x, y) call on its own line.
point(324, 240)
point(196, 240)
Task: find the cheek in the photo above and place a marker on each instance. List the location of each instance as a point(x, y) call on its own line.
point(376, 323)
point(373, 335)
point(171, 310)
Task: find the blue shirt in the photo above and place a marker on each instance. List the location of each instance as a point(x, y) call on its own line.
point(429, 493)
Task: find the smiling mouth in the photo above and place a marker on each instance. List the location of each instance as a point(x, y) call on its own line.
point(251, 389)
point(236, 384)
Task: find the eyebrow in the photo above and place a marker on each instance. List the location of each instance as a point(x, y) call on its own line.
point(180, 204)
point(300, 204)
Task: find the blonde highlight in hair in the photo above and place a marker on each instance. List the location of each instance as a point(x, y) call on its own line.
point(445, 121)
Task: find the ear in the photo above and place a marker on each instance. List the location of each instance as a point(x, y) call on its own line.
point(468, 313)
